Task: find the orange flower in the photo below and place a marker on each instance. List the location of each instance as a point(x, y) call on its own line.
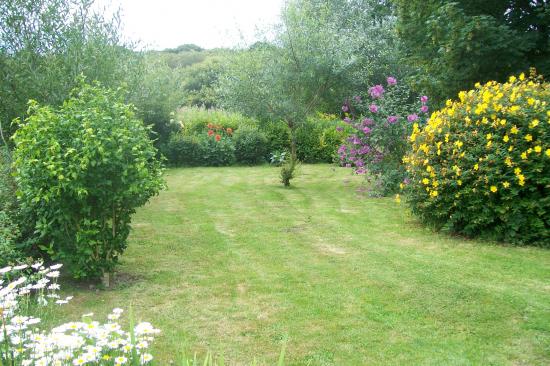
point(209, 125)
point(210, 132)
point(218, 137)
point(229, 130)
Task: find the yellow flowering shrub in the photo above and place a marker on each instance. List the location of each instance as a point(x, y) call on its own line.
point(481, 165)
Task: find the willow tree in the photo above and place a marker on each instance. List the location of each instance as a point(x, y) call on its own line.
point(311, 64)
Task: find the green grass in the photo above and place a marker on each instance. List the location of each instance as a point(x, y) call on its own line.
point(228, 260)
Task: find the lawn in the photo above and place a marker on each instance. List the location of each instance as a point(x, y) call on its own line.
point(228, 260)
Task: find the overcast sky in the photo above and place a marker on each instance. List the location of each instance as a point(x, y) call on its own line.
point(208, 23)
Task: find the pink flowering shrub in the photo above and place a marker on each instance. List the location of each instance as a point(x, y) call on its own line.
point(381, 123)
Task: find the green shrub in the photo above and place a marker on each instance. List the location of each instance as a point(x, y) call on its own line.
point(83, 169)
point(9, 233)
point(317, 139)
point(217, 153)
point(183, 150)
point(329, 142)
point(278, 136)
point(250, 146)
point(481, 166)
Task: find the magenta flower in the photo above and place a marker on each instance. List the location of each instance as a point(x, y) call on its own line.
point(367, 122)
point(364, 150)
point(348, 165)
point(347, 120)
point(357, 98)
point(424, 99)
point(392, 119)
point(366, 130)
point(391, 80)
point(424, 109)
point(345, 108)
point(376, 91)
point(360, 171)
point(339, 128)
point(412, 117)
point(373, 108)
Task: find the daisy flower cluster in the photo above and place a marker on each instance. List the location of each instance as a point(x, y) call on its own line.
point(27, 289)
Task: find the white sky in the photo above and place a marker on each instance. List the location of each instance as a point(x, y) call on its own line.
point(163, 24)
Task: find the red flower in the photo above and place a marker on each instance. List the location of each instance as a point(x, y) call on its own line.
point(209, 125)
point(210, 132)
point(218, 137)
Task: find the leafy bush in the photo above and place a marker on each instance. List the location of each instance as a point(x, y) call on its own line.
point(217, 152)
point(9, 232)
point(83, 169)
point(250, 146)
point(381, 123)
point(317, 139)
point(278, 136)
point(481, 167)
point(184, 150)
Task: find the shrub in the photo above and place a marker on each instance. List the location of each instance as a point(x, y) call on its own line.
point(308, 138)
point(83, 169)
point(250, 146)
point(481, 167)
point(184, 150)
point(381, 123)
point(278, 136)
point(217, 152)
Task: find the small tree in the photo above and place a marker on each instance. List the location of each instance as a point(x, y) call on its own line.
point(321, 49)
point(83, 169)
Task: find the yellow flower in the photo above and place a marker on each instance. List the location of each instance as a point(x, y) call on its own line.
point(530, 101)
point(489, 136)
point(534, 123)
point(528, 137)
point(426, 181)
point(506, 184)
point(476, 166)
point(538, 149)
point(459, 182)
point(505, 138)
point(434, 194)
point(522, 76)
point(511, 148)
point(514, 130)
point(508, 161)
point(517, 171)
point(397, 198)
point(401, 186)
point(489, 143)
point(524, 155)
point(512, 79)
point(547, 152)
point(521, 179)
point(494, 189)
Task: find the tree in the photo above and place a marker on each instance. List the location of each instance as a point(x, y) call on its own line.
point(45, 45)
point(83, 169)
point(451, 45)
point(319, 53)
